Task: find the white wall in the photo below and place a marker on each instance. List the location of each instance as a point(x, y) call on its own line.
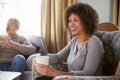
point(103, 7)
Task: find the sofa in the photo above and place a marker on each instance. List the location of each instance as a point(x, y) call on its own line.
point(39, 43)
point(111, 43)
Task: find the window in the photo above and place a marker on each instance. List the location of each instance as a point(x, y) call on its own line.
point(26, 11)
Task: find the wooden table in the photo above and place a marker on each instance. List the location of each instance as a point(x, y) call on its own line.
point(8, 75)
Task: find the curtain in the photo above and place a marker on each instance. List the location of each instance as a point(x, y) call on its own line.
point(53, 29)
point(116, 12)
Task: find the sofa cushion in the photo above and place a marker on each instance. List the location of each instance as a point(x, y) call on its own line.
point(39, 43)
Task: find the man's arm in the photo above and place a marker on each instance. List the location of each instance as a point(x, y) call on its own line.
point(25, 47)
point(21, 44)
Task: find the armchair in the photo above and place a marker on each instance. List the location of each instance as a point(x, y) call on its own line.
point(111, 43)
point(107, 26)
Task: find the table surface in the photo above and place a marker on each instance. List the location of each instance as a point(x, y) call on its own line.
point(8, 75)
point(87, 78)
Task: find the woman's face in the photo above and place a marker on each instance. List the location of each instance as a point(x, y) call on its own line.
point(11, 27)
point(75, 25)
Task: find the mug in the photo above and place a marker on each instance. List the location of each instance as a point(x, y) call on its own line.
point(43, 60)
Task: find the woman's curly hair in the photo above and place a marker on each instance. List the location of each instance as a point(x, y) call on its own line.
point(87, 15)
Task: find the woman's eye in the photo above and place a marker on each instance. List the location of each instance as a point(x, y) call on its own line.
point(75, 20)
point(69, 20)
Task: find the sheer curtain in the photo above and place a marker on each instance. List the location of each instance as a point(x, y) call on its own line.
point(116, 13)
point(26, 11)
point(52, 23)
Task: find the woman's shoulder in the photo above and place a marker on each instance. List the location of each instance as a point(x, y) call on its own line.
point(94, 40)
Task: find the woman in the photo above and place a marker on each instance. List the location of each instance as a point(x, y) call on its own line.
point(84, 52)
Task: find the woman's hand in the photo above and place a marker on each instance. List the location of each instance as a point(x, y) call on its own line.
point(45, 70)
point(34, 63)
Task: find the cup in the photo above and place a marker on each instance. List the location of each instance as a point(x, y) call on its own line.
point(42, 60)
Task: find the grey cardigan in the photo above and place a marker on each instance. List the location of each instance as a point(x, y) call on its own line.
point(83, 62)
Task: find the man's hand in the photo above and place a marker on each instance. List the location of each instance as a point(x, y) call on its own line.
point(6, 42)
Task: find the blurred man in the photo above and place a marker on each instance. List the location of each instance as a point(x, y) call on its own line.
point(12, 48)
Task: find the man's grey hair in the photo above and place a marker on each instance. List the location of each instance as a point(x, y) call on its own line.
point(16, 20)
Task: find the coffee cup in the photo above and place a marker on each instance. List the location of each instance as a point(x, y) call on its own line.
point(42, 60)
